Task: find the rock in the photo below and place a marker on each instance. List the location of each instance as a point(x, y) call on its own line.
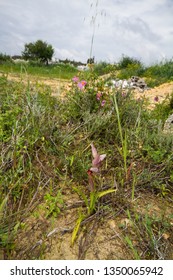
point(135, 79)
point(134, 82)
point(138, 83)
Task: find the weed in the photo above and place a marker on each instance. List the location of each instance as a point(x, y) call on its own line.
point(130, 244)
point(53, 204)
point(124, 152)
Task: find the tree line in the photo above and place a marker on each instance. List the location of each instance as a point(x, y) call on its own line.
point(38, 51)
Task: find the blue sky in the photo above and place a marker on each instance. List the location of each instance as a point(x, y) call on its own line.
point(139, 29)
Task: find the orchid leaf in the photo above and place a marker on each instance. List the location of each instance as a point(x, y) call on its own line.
point(103, 193)
point(76, 228)
point(93, 199)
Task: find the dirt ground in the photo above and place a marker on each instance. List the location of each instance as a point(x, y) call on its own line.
point(100, 238)
point(57, 85)
point(161, 92)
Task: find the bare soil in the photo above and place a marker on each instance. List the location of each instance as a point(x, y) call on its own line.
point(99, 237)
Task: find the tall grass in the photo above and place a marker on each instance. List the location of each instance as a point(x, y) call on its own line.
point(29, 134)
point(123, 138)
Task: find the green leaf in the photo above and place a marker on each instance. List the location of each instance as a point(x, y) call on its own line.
point(71, 160)
point(93, 199)
point(76, 228)
point(135, 252)
point(2, 206)
point(100, 194)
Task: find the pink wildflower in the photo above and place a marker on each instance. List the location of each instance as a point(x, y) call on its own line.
point(98, 95)
point(81, 84)
point(75, 79)
point(96, 162)
point(103, 103)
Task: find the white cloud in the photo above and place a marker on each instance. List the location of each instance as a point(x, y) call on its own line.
point(142, 29)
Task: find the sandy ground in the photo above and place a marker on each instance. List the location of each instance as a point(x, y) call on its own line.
point(101, 238)
point(162, 92)
point(57, 85)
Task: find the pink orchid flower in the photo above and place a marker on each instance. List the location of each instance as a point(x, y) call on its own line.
point(96, 162)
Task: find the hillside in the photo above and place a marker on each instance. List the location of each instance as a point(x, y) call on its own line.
point(53, 206)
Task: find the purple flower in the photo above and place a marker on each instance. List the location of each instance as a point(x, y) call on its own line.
point(75, 79)
point(103, 103)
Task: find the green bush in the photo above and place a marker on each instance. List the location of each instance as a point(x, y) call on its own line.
point(126, 61)
point(102, 68)
point(159, 73)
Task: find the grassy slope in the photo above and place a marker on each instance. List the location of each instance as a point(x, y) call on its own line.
point(51, 71)
point(45, 152)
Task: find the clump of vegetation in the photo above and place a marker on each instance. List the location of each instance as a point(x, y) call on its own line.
point(29, 123)
point(159, 73)
point(127, 61)
point(128, 67)
point(103, 68)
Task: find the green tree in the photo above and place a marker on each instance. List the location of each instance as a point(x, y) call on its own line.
point(39, 50)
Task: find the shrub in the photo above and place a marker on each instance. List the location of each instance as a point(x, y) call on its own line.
point(102, 68)
point(126, 61)
point(159, 73)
